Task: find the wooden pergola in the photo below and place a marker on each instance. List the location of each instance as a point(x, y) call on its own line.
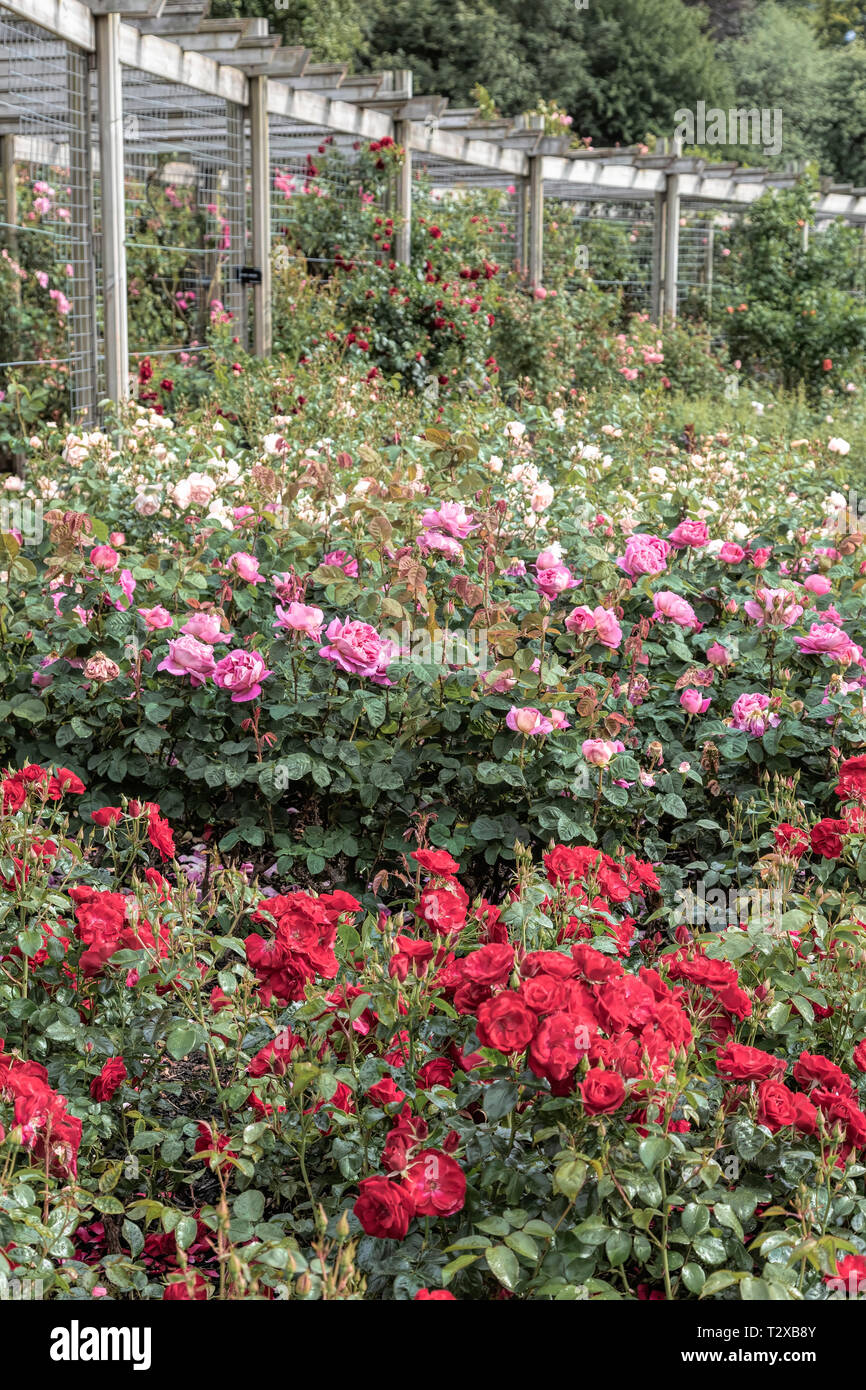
point(240, 84)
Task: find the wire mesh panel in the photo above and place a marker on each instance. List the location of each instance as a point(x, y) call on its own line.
point(707, 282)
point(326, 193)
point(185, 204)
point(47, 289)
point(487, 200)
point(604, 240)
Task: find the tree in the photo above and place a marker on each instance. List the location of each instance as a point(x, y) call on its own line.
point(780, 63)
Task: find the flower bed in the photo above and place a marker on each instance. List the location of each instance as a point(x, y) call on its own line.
point(218, 1093)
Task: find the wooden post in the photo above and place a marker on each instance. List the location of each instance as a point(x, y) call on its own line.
point(109, 87)
point(82, 285)
point(658, 258)
point(236, 211)
point(260, 177)
point(672, 234)
point(536, 221)
point(10, 203)
point(403, 200)
point(708, 273)
point(520, 227)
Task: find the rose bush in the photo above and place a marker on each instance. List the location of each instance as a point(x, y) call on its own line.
point(211, 1089)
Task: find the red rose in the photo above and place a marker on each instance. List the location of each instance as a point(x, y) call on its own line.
point(444, 909)
point(813, 1070)
point(160, 833)
point(742, 1063)
point(428, 1296)
point(14, 795)
point(775, 1106)
point(436, 1183)
point(790, 840)
point(439, 1072)
point(852, 779)
point(505, 1023)
point(107, 815)
point(384, 1208)
point(491, 965)
point(544, 994)
point(852, 1271)
point(557, 1048)
point(859, 1055)
point(180, 1288)
point(554, 963)
point(103, 1086)
point(436, 861)
point(825, 838)
point(64, 783)
point(385, 1092)
point(805, 1115)
point(602, 1092)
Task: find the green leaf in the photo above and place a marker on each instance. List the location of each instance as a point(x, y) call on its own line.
point(186, 1231)
point(502, 1263)
point(570, 1177)
point(500, 1099)
point(693, 1277)
point(523, 1244)
point(180, 1041)
point(652, 1152)
point(250, 1205)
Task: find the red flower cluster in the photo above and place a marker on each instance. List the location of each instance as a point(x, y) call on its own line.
point(302, 947)
point(422, 1182)
point(100, 923)
point(49, 1131)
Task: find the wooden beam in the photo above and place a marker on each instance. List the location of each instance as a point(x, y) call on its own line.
point(160, 58)
point(462, 149)
point(110, 97)
point(260, 178)
point(68, 19)
point(308, 108)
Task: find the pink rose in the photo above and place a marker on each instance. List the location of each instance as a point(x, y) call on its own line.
point(749, 714)
point(156, 618)
point(358, 649)
point(343, 560)
point(437, 541)
point(644, 555)
point(527, 721)
point(667, 605)
point(104, 557)
point(188, 657)
point(242, 674)
point(825, 639)
point(246, 567)
point(555, 580)
point(452, 518)
point(300, 617)
point(732, 554)
point(690, 533)
point(598, 751)
point(600, 620)
point(718, 655)
point(774, 608)
point(206, 627)
point(693, 702)
point(818, 584)
point(760, 558)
